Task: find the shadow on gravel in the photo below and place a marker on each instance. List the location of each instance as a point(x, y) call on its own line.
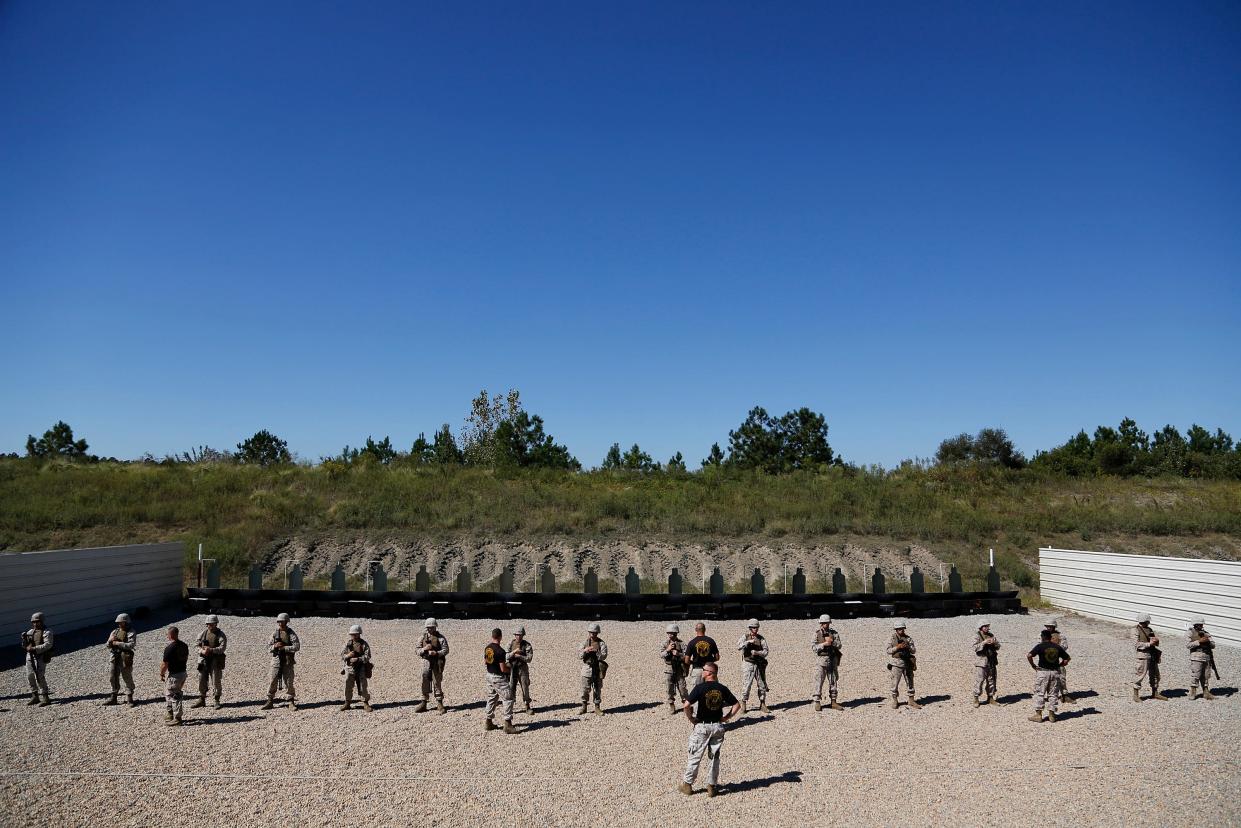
point(789, 705)
point(1014, 697)
point(862, 702)
point(220, 721)
point(394, 704)
point(474, 705)
point(1223, 691)
point(747, 721)
point(318, 704)
point(563, 706)
point(1063, 715)
point(1084, 694)
point(542, 723)
point(1176, 693)
point(633, 708)
point(766, 782)
point(925, 700)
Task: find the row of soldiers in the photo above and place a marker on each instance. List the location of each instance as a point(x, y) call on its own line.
point(685, 662)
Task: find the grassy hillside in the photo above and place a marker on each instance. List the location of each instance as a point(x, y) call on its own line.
point(241, 511)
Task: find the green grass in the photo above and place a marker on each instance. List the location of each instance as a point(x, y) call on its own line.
point(240, 511)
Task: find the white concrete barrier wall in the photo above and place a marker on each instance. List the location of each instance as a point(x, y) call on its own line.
point(82, 587)
point(1116, 587)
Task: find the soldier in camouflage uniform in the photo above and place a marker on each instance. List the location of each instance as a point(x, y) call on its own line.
point(1200, 645)
point(121, 643)
point(499, 690)
point(37, 642)
point(1059, 637)
point(1146, 645)
point(826, 648)
point(901, 665)
point(672, 653)
point(754, 653)
point(283, 647)
point(433, 650)
point(986, 665)
point(520, 654)
point(594, 667)
point(212, 642)
point(357, 657)
point(1050, 656)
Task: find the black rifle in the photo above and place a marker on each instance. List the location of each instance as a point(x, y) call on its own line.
point(1205, 643)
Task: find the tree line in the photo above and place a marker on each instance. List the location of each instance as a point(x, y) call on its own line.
point(499, 433)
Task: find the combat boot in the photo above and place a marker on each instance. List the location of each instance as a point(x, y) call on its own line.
point(1207, 694)
point(216, 705)
point(488, 724)
point(176, 721)
point(744, 708)
point(292, 704)
point(893, 703)
point(1051, 717)
point(672, 707)
point(582, 710)
point(818, 705)
point(270, 704)
point(598, 710)
point(913, 705)
point(34, 699)
point(976, 702)
point(1036, 717)
point(710, 790)
point(129, 700)
point(46, 701)
point(421, 707)
point(762, 706)
point(1157, 696)
point(508, 728)
point(366, 705)
point(1067, 699)
point(439, 706)
point(835, 706)
point(993, 700)
point(347, 706)
point(111, 700)
point(202, 702)
point(170, 721)
point(168, 715)
point(1136, 697)
point(685, 788)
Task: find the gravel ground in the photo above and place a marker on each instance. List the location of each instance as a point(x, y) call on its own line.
point(1109, 762)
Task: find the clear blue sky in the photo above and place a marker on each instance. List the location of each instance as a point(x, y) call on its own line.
point(334, 220)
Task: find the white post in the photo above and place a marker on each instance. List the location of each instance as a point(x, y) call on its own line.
point(991, 555)
point(941, 577)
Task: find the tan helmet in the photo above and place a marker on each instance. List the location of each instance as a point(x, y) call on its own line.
point(431, 622)
point(898, 624)
point(1144, 618)
point(212, 619)
point(356, 628)
point(594, 628)
point(825, 619)
point(1196, 621)
point(519, 631)
point(284, 616)
point(982, 624)
point(122, 618)
point(752, 623)
point(672, 628)
point(38, 616)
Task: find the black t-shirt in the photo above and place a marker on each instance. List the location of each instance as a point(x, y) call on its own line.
point(702, 650)
point(493, 655)
point(175, 655)
point(1049, 654)
point(712, 699)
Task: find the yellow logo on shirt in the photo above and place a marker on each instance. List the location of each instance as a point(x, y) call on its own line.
point(713, 699)
point(703, 648)
point(489, 655)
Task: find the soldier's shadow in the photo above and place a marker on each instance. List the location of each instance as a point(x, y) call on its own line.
point(1014, 697)
point(1176, 693)
point(766, 782)
point(194, 722)
point(789, 705)
point(1083, 694)
point(561, 706)
point(318, 704)
point(1063, 715)
point(1223, 691)
point(925, 700)
point(861, 702)
point(751, 720)
point(634, 707)
point(474, 705)
point(542, 723)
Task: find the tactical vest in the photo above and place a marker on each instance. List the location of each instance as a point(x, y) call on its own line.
point(515, 648)
point(751, 656)
point(819, 637)
point(434, 640)
point(989, 650)
point(284, 637)
point(126, 657)
point(210, 639)
point(37, 640)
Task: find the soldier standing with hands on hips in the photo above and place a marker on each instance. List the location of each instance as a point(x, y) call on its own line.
point(1050, 656)
point(705, 710)
point(37, 642)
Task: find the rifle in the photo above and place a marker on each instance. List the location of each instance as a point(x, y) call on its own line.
point(1205, 643)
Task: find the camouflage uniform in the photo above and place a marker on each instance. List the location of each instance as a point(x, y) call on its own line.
point(986, 664)
point(213, 675)
point(900, 669)
point(36, 664)
point(827, 664)
point(1199, 661)
point(592, 672)
point(433, 665)
point(520, 654)
point(121, 644)
point(753, 668)
point(674, 670)
point(1147, 664)
point(283, 661)
point(362, 650)
point(499, 691)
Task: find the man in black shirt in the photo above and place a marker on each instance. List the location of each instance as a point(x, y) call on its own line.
point(700, 651)
point(498, 689)
point(1051, 657)
point(172, 671)
point(705, 710)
